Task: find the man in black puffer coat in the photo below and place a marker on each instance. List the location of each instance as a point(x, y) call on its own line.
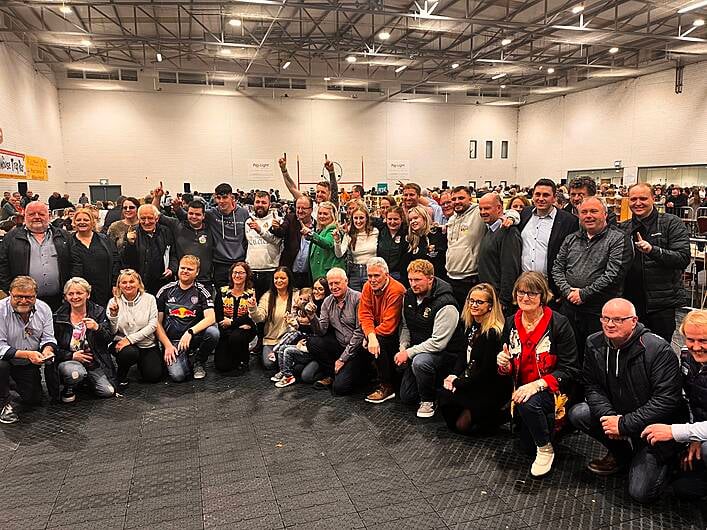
point(632, 379)
point(654, 280)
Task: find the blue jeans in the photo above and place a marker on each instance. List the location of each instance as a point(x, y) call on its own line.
point(423, 375)
point(73, 372)
point(693, 484)
point(536, 418)
point(202, 345)
point(358, 275)
point(292, 356)
point(648, 468)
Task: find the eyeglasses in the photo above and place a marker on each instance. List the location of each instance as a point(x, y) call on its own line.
point(239, 273)
point(129, 207)
point(474, 302)
point(614, 320)
point(529, 294)
point(23, 296)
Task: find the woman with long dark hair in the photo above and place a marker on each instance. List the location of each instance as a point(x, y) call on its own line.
point(392, 242)
point(272, 309)
point(236, 326)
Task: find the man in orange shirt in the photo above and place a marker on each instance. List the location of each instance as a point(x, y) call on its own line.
point(379, 312)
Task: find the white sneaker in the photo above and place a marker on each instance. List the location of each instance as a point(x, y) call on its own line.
point(543, 461)
point(276, 377)
point(286, 380)
point(426, 409)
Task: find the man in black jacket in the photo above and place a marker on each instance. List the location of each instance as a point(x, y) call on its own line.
point(590, 269)
point(632, 379)
point(543, 228)
point(295, 253)
point(146, 247)
point(39, 250)
point(662, 243)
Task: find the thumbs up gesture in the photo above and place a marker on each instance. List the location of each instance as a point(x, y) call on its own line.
point(642, 245)
point(503, 359)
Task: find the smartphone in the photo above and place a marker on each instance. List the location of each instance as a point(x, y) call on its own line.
point(326, 157)
point(285, 157)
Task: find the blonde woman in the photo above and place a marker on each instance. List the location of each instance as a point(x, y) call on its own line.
point(474, 393)
point(321, 249)
point(94, 257)
point(132, 314)
point(425, 241)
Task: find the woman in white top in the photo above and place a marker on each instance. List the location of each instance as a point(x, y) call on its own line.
point(273, 308)
point(360, 241)
point(132, 314)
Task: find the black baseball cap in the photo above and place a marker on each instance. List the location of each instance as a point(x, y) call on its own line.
point(223, 189)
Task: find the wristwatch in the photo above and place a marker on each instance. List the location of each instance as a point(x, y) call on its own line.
point(191, 332)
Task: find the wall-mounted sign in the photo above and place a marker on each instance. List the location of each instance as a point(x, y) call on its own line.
point(398, 170)
point(20, 166)
point(261, 170)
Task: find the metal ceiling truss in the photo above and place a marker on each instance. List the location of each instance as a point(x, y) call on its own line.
point(316, 37)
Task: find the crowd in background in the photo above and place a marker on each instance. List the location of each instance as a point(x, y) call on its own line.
point(539, 306)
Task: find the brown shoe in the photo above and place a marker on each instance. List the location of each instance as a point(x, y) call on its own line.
point(604, 466)
point(324, 383)
point(381, 394)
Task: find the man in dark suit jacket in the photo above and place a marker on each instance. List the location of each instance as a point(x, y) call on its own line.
point(543, 228)
point(295, 253)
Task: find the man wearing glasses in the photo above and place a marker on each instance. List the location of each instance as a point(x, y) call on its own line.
point(632, 380)
point(26, 343)
point(295, 253)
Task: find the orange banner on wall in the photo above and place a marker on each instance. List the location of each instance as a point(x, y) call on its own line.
point(37, 168)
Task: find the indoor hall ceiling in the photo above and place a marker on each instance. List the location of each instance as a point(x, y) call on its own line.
point(520, 47)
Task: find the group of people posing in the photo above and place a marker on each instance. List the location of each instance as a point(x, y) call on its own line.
point(546, 317)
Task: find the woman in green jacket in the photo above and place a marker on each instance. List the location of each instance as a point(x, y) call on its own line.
point(321, 250)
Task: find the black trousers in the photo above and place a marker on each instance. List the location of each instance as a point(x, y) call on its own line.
point(385, 366)
point(28, 382)
point(148, 360)
point(461, 289)
point(232, 349)
point(262, 281)
point(302, 279)
point(221, 276)
point(325, 350)
point(583, 324)
point(662, 322)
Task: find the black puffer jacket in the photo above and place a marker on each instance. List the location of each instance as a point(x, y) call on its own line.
point(640, 381)
point(662, 269)
point(98, 340)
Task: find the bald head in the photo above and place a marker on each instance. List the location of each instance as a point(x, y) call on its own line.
point(618, 320)
point(490, 208)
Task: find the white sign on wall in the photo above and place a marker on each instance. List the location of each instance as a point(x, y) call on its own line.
point(398, 170)
point(261, 171)
point(629, 180)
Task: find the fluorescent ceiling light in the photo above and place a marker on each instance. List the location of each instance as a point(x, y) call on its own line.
point(327, 79)
point(698, 22)
point(692, 6)
point(225, 51)
point(384, 35)
point(86, 42)
point(455, 66)
point(235, 22)
point(66, 10)
point(613, 50)
point(499, 76)
point(159, 57)
point(286, 65)
point(506, 42)
point(503, 86)
point(551, 70)
point(578, 9)
point(400, 68)
point(351, 59)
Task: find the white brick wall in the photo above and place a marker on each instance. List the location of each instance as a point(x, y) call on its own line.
point(641, 122)
point(29, 118)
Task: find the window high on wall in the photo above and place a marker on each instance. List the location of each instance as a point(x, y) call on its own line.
point(693, 175)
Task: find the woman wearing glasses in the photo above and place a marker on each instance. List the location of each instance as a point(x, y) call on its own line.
point(474, 393)
point(236, 326)
point(93, 257)
point(132, 314)
point(540, 354)
point(118, 230)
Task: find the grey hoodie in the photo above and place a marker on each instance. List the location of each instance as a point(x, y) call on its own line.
point(230, 244)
